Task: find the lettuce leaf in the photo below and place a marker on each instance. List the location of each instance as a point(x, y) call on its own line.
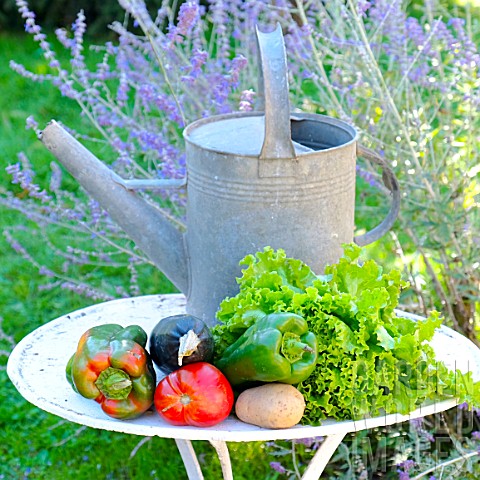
point(371, 360)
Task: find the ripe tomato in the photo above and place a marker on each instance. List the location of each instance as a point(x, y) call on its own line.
point(196, 394)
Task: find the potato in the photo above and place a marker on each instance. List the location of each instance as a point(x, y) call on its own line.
point(273, 405)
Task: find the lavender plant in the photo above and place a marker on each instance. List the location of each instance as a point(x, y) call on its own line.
point(144, 88)
point(410, 86)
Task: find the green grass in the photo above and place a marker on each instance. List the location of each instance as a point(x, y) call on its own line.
point(33, 443)
point(21, 98)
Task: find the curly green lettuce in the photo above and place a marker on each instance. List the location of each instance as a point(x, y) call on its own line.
point(371, 360)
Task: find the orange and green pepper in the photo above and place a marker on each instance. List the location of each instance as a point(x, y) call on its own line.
point(112, 367)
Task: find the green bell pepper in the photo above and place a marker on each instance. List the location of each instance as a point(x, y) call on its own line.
point(276, 348)
point(112, 367)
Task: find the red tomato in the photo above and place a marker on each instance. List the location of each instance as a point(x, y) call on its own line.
point(196, 394)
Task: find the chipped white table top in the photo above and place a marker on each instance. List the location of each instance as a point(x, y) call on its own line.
point(37, 369)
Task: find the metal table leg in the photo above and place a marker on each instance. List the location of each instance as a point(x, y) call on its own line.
point(322, 457)
point(224, 457)
point(189, 458)
point(313, 471)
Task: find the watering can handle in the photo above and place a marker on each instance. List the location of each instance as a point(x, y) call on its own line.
point(391, 182)
point(273, 97)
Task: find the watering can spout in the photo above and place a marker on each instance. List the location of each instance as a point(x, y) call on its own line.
point(145, 224)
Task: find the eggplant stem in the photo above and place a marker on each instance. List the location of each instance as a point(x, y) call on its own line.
point(188, 345)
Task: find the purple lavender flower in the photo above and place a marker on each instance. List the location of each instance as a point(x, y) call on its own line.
point(46, 272)
point(417, 424)
point(67, 90)
point(16, 245)
point(23, 177)
point(31, 123)
point(197, 61)
point(86, 290)
point(14, 171)
point(363, 6)
point(123, 89)
point(79, 27)
point(246, 100)
point(312, 442)
point(63, 38)
point(278, 467)
point(137, 9)
point(391, 18)
point(34, 29)
point(407, 465)
point(238, 64)
point(367, 176)
point(21, 70)
point(187, 18)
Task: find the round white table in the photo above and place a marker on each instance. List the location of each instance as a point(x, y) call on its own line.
point(37, 369)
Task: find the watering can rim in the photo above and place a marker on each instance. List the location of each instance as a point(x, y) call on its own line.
point(297, 116)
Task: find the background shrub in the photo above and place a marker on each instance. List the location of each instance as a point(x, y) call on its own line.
point(55, 13)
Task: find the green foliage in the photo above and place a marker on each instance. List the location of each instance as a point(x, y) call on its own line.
point(54, 13)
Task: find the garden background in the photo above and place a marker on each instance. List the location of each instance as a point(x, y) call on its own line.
point(127, 79)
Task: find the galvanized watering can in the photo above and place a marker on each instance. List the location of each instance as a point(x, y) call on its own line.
point(253, 179)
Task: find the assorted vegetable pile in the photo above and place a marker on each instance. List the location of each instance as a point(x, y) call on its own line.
point(112, 367)
point(294, 346)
